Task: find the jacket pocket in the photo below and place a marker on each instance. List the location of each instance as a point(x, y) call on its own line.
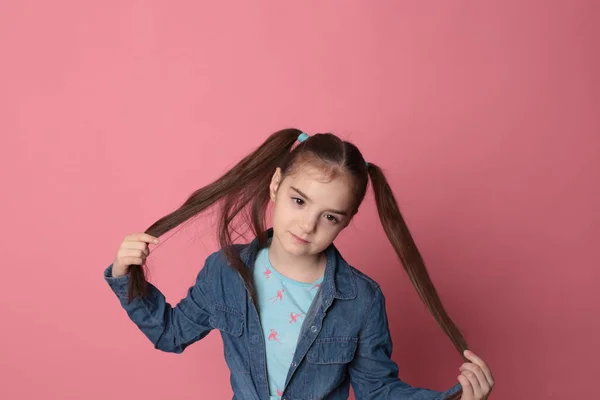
point(227, 320)
point(332, 350)
point(231, 324)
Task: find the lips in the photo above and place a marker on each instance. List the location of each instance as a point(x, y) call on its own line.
point(300, 239)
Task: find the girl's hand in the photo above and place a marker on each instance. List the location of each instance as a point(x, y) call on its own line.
point(133, 251)
point(476, 378)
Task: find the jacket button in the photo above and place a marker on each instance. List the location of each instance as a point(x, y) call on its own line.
point(313, 328)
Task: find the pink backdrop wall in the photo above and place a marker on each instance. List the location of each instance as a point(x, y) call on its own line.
point(484, 114)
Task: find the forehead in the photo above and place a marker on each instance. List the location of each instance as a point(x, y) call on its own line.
point(330, 188)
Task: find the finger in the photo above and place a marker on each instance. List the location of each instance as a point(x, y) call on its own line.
point(486, 370)
point(133, 253)
point(132, 261)
point(142, 237)
point(472, 378)
point(467, 389)
point(479, 375)
point(143, 246)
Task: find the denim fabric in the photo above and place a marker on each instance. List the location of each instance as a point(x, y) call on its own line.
point(344, 337)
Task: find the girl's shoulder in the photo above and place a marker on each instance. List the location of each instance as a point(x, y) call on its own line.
point(363, 278)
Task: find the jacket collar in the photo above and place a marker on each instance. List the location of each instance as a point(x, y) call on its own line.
point(338, 281)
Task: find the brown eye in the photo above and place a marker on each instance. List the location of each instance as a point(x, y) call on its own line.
point(334, 219)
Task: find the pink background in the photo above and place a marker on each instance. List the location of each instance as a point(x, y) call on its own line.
point(485, 116)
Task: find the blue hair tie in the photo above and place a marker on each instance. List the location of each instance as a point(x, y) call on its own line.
point(302, 137)
point(367, 164)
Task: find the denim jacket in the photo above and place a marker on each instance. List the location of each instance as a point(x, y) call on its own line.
point(344, 338)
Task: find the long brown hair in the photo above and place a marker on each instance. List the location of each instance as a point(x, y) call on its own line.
point(243, 192)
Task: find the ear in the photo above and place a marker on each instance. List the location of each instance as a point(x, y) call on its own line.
point(275, 181)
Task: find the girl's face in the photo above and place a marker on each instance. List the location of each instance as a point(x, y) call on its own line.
point(309, 210)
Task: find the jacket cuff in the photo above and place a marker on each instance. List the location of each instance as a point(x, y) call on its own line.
point(119, 284)
point(451, 391)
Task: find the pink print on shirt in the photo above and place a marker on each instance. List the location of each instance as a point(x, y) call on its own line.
point(294, 317)
point(318, 285)
point(273, 336)
point(267, 273)
point(279, 296)
point(279, 392)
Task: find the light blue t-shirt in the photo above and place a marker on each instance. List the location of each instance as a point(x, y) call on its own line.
point(282, 305)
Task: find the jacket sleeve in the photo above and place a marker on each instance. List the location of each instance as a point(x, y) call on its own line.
point(373, 374)
point(170, 329)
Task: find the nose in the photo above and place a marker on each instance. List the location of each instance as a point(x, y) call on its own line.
point(308, 224)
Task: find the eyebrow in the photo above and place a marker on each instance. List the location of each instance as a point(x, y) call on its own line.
point(344, 213)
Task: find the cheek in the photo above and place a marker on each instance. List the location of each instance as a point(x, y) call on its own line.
point(282, 213)
point(328, 232)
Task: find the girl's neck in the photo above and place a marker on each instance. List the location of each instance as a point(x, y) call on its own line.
point(305, 269)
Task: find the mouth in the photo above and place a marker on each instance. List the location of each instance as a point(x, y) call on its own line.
point(298, 239)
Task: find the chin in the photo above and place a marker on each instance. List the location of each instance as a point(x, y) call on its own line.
point(296, 249)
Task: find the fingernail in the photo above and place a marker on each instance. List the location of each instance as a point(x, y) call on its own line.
point(156, 241)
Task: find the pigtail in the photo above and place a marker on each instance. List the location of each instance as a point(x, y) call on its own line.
point(247, 182)
point(399, 235)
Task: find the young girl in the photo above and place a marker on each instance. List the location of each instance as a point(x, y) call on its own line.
point(297, 321)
